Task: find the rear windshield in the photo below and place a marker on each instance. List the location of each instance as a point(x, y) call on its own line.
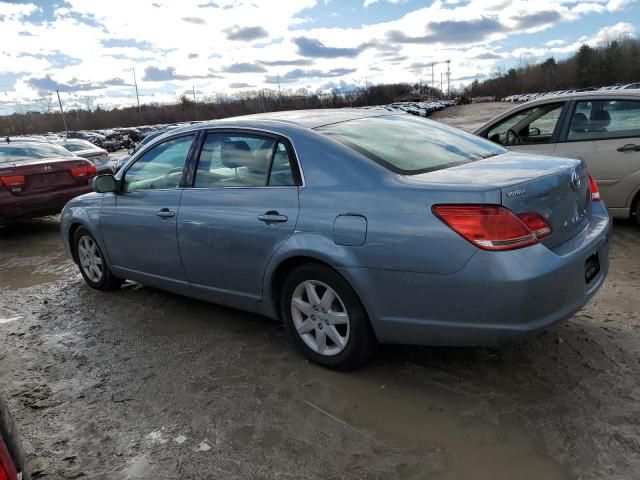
point(78, 145)
point(410, 145)
point(15, 153)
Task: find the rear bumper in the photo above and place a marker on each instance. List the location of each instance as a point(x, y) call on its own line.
point(496, 297)
point(14, 207)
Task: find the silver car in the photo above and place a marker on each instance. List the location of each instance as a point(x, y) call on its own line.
point(602, 128)
point(96, 155)
point(353, 226)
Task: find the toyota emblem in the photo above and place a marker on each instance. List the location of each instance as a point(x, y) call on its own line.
point(575, 180)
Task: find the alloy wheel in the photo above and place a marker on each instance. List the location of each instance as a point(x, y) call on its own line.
point(320, 317)
point(90, 258)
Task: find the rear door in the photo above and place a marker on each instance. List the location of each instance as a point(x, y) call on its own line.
point(139, 222)
point(243, 206)
point(534, 129)
point(605, 133)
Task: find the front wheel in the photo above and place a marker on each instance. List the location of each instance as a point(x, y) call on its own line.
point(326, 319)
point(93, 266)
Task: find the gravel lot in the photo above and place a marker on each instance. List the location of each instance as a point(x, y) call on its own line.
point(144, 384)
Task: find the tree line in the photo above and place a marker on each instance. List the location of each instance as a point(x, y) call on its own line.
point(207, 108)
point(614, 61)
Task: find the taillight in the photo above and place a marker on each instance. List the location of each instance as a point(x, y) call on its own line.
point(7, 468)
point(595, 192)
point(13, 183)
point(84, 171)
point(489, 227)
point(536, 223)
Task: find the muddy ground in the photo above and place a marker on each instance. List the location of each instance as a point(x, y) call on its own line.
point(144, 384)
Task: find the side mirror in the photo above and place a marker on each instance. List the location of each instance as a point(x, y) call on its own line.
point(131, 151)
point(105, 184)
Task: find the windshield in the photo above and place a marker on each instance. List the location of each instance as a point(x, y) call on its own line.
point(16, 153)
point(410, 145)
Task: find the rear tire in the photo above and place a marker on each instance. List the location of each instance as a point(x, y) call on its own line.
point(92, 262)
point(326, 319)
point(637, 211)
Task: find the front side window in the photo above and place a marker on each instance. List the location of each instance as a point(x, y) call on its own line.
point(602, 119)
point(160, 167)
point(239, 160)
point(409, 145)
point(529, 127)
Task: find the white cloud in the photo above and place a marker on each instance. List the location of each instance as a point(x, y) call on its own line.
point(144, 36)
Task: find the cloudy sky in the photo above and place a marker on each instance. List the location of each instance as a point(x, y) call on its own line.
point(87, 49)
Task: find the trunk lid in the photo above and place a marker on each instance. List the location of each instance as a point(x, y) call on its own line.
point(556, 188)
point(45, 175)
point(96, 156)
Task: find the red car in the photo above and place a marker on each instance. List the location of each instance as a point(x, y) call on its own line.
point(12, 466)
point(37, 179)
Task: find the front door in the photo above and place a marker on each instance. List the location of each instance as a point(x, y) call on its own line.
point(606, 135)
point(533, 129)
point(243, 206)
point(139, 222)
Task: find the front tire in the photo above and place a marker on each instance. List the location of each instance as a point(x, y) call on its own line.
point(326, 319)
point(92, 263)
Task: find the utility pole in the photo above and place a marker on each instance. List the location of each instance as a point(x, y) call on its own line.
point(433, 81)
point(441, 90)
point(195, 104)
point(448, 78)
point(62, 113)
point(366, 91)
point(279, 93)
point(135, 82)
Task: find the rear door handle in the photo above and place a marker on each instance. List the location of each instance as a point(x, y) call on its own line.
point(272, 217)
point(165, 213)
point(629, 147)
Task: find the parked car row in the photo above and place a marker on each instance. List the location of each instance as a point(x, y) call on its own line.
point(420, 109)
point(525, 97)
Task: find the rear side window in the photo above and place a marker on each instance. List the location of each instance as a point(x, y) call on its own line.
point(409, 145)
point(239, 160)
point(602, 119)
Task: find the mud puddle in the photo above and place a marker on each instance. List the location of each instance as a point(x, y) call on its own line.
point(143, 384)
point(31, 254)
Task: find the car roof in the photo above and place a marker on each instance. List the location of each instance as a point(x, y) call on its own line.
point(310, 118)
point(593, 95)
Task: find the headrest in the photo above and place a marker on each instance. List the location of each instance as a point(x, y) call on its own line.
point(236, 154)
point(579, 123)
point(601, 119)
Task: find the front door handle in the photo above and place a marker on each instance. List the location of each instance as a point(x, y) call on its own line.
point(165, 213)
point(629, 147)
point(272, 217)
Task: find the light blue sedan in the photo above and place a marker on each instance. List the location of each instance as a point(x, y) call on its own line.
point(352, 226)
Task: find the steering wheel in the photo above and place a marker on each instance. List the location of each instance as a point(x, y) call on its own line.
point(512, 137)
